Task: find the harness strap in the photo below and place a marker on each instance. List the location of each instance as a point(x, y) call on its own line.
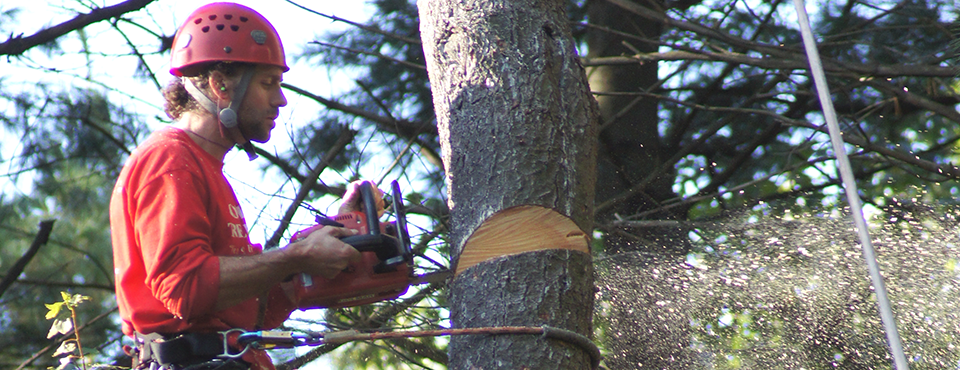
point(186, 348)
point(144, 349)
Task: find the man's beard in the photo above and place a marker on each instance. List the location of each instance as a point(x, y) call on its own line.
point(253, 127)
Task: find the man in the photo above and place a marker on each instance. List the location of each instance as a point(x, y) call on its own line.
point(185, 268)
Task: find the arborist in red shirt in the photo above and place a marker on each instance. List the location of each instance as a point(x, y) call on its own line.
point(186, 271)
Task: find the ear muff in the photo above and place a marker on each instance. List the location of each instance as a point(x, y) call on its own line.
point(228, 115)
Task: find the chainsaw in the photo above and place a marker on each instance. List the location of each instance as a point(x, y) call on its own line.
point(385, 269)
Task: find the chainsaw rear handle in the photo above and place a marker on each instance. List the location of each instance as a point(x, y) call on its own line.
point(369, 208)
point(384, 246)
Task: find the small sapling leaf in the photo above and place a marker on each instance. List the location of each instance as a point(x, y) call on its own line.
point(60, 326)
point(66, 348)
point(53, 309)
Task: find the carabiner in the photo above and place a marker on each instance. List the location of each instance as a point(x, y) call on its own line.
point(226, 344)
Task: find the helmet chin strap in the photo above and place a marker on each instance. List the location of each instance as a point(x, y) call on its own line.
point(227, 116)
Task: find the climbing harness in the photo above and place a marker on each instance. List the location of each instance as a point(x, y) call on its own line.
point(268, 339)
point(190, 351)
point(850, 187)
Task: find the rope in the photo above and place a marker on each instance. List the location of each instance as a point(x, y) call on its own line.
point(288, 339)
point(850, 186)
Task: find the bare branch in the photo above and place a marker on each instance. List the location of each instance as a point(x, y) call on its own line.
point(346, 136)
point(403, 128)
point(879, 71)
point(378, 55)
point(61, 284)
point(360, 26)
point(292, 171)
point(43, 235)
point(18, 44)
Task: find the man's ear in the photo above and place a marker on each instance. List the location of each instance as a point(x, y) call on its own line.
point(219, 86)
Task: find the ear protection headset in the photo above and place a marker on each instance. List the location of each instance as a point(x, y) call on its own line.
point(228, 115)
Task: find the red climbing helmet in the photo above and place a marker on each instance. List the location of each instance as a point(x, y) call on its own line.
point(225, 32)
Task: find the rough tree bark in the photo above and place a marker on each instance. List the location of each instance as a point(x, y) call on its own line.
point(517, 130)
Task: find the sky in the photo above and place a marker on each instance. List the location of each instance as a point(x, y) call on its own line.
point(295, 27)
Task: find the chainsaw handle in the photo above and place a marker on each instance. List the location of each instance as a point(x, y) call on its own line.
point(386, 247)
point(383, 245)
point(364, 243)
point(370, 208)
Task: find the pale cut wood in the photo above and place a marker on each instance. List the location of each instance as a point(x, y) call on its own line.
point(521, 229)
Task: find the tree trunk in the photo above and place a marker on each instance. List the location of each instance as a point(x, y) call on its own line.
point(517, 130)
point(630, 144)
point(631, 152)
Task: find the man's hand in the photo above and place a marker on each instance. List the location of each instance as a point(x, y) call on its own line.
point(351, 199)
point(323, 253)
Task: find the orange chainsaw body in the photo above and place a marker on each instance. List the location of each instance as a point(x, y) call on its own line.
point(384, 271)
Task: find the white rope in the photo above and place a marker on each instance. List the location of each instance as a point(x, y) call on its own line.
point(850, 188)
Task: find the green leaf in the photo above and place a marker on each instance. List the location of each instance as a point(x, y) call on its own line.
point(53, 309)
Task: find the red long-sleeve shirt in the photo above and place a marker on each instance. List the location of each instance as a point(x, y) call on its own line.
point(172, 214)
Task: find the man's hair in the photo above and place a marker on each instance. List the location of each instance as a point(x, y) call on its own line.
point(178, 100)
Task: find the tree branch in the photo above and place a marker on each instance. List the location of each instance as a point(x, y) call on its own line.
point(43, 235)
point(360, 26)
point(879, 71)
point(17, 45)
point(782, 57)
point(346, 136)
point(949, 171)
point(406, 129)
point(291, 171)
point(373, 54)
point(61, 284)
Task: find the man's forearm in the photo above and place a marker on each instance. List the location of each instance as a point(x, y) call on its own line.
point(245, 277)
point(320, 253)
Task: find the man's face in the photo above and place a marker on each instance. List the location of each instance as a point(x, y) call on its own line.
point(261, 104)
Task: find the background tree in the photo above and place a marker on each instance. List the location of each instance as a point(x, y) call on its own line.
point(736, 125)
